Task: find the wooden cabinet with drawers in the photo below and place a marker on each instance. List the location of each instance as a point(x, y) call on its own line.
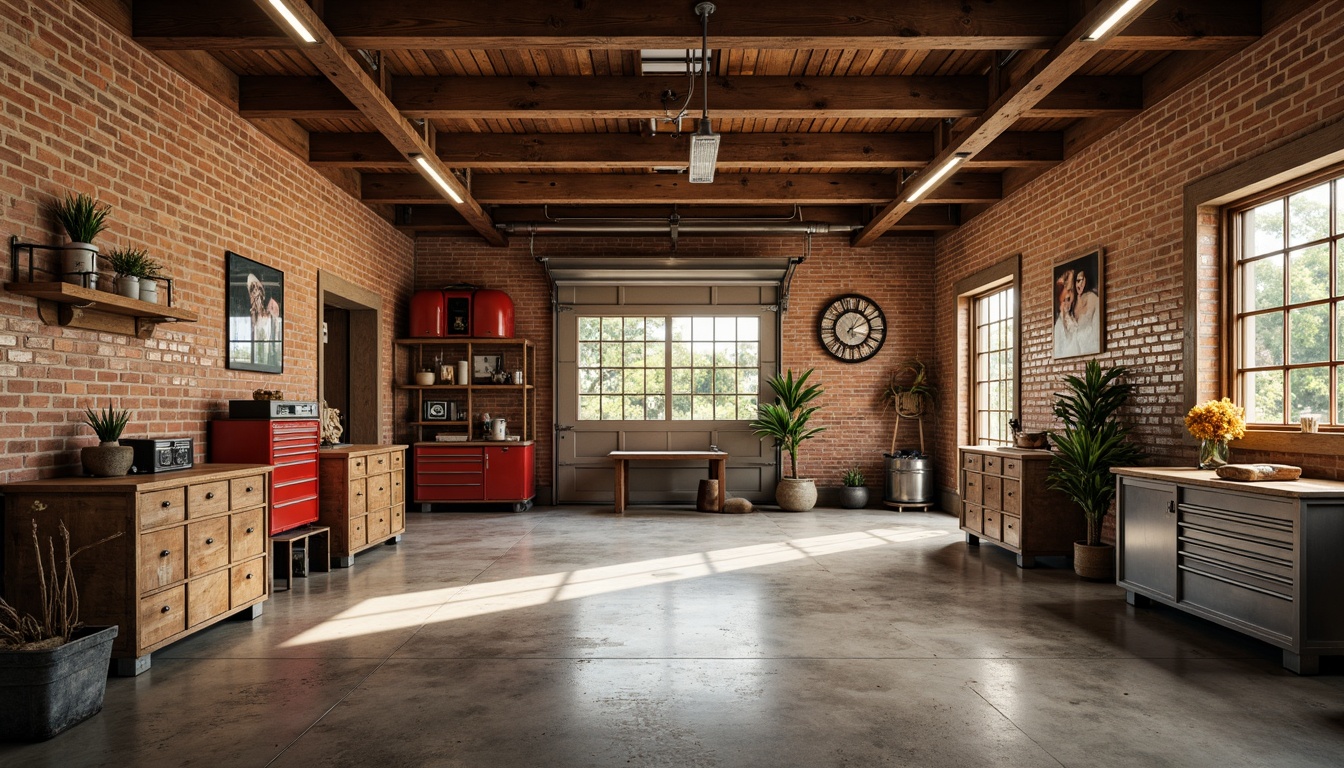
point(1005, 500)
point(362, 497)
point(191, 550)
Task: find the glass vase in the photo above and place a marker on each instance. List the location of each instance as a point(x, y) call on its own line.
point(1212, 454)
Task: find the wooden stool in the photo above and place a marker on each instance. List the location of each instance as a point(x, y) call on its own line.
point(314, 537)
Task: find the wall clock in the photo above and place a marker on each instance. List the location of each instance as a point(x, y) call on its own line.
point(852, 328)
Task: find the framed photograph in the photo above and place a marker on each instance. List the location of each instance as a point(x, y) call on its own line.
point(254, 297)
point(482, 367)
point(1080, 309)
point(435, 410)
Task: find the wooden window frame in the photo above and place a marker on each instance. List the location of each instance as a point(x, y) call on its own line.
point(1007, 272)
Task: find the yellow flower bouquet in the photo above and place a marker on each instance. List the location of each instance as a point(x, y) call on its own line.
point(1214, 423)
point(1217, 420)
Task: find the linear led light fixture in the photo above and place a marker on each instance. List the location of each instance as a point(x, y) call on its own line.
point(704, 142)
point(434, 176)
point(932, 181)
point(1112, 20)
point(294, 22)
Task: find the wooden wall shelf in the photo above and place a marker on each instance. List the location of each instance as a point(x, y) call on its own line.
point(75, 306)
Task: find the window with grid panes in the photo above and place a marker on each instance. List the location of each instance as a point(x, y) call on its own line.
point(992, 362)
point(1288, 289)
point(668, 368)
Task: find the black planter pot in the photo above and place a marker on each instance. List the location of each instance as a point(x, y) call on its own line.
point(45, 692)
point(853, 497)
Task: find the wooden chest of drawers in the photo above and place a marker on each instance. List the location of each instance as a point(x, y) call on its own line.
point(363, 497)
point(1005, 500)
point(192, 550)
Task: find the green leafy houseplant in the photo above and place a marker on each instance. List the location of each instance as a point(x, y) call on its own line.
point(133, 262)
point(786, 418)
point(81, 216)
point(910, 394)
point(853, 478)
point(1092, 441)
point(107, 423)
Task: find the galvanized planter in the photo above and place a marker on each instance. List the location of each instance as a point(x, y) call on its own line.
point(45, 692)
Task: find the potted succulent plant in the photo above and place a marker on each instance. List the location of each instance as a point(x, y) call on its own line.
point(1092, 442)
point(53, 670)
point(135, 270)
point(83, 218)
point(786, 420)
point(855, 493)
point(108, 458)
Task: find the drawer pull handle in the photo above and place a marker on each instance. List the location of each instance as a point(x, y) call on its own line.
point(250, 530)
point(165, 609)
point(249, 489)
point(165, 504)
point(380, 487)
point(1171, 507)
point(210, 495)
point(380, 461)
point(248, 576)
point(165, 553)
point(359, 493)
point(1010, 493)
point(210, 540)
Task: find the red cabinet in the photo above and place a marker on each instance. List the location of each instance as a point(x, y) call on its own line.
point(288, 445)
point(490, 472)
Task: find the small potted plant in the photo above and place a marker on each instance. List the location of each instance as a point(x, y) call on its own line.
point(855, 494)
point(82, 218)
point(109, 458)
point(53, 670)
point(1093, 440)
point(786, 420)
point(910, 393)
point(135, 270)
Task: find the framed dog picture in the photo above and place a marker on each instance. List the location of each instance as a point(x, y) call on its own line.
point(1080, 312)
point(255, 307)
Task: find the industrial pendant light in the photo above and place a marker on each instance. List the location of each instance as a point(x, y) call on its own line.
point(704, 142)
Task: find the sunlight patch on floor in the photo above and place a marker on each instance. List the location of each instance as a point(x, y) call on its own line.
point(404, 611)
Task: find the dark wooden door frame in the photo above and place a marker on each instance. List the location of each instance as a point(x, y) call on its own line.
point(366, 321)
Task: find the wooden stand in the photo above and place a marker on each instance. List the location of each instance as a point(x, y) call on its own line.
point(315, 537)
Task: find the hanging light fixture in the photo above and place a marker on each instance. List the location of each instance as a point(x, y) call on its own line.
point(704, 142)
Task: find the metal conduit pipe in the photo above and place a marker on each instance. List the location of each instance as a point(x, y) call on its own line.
point(683, 227)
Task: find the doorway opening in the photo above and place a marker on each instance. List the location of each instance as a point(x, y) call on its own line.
point(349, 320)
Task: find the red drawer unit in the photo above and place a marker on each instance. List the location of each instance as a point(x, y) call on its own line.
point(492, 472)
point(288, 445)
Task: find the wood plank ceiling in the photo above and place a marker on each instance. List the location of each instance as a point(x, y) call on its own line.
point(830, 113)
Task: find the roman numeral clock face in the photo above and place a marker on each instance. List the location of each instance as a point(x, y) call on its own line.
point(852, 328)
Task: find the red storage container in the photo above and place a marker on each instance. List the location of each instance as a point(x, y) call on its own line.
point(457, 306)
point(429, 316)
point(290, 446)
point(491, 314)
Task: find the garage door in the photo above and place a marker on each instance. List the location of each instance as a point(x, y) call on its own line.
point(663, 364)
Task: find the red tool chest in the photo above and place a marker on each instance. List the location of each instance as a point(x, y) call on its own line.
point(474, 472)
point(289, 445)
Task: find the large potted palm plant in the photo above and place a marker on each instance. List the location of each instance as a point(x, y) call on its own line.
point(786, 420)
point(1092, 442)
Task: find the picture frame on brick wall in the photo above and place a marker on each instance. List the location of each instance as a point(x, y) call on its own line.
point(254, 305)
point(1080, 307)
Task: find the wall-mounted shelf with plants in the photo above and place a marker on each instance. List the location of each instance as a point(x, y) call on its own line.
point(76, 306)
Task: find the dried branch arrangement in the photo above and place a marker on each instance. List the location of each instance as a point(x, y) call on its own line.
point(59, 612)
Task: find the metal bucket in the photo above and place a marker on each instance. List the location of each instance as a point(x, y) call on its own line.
point(909, 479)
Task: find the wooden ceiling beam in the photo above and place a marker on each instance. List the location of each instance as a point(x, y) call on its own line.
point(1014, 102)
point(743, 24)
point(568, 151)
point(331, 58)
point(639, 98)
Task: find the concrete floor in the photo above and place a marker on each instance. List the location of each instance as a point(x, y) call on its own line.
point(570, 637)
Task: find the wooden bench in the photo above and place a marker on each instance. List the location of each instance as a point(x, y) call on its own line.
point(718, 469)
point(314, 537)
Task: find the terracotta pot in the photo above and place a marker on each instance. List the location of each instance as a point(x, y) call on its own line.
point(107, 459)
point(796, 494)
point(854, 497)
point(1094, 563)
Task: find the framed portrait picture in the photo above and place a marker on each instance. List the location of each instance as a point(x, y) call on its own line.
point(1080, 309)
point(254, 298)
point(483, 367)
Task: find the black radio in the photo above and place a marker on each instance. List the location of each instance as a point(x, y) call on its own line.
point(160, 455)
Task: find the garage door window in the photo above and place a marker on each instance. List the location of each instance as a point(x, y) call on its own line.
point(670, 368)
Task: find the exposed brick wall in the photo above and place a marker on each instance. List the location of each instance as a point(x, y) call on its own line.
point(897, 274)
point(87, 110)
point(1125, 194)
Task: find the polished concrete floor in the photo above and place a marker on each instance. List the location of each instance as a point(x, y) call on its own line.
point(570, 637)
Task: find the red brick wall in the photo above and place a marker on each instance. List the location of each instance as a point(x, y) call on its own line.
point(87, 110)
point(897, 274)
point(1125, 194)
